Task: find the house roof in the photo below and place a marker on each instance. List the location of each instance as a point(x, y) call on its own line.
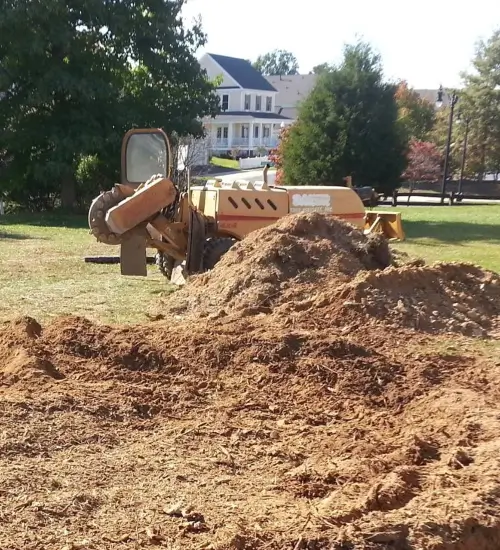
point(261, 115)
point(242, 71)
point(431, 96)
point(292, 89)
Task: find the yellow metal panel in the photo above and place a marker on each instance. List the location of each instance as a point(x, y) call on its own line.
point(241, 211)
point(387, 223)
point(205, 201)
point(342, 202)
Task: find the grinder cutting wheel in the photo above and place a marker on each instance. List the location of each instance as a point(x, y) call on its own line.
point(192, 230)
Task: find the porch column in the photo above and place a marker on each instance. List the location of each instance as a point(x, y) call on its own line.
point(250, 135)
point(230, 135)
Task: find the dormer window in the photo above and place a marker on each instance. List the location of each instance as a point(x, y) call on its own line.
point(247, 102)
point(258, 103)
point(225, 102)
point(269, 104)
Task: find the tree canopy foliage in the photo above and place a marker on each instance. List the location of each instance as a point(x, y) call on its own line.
point(321, 68)
point(277, 62)
point(424, 162)
point(348, 125)
point(479, 101)
point(276, 156)
point(417, 114)
point(76, 75)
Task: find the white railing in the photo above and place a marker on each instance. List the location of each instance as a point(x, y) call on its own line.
point(256, 142)
point(240, 142)
point(269, 142)
point(256, 162)
point(244, 143)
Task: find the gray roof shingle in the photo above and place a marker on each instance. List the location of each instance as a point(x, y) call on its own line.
point(242, 71)
point(293, 89)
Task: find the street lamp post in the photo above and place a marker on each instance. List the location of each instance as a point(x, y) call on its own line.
point(453, 101)
point(464, 155)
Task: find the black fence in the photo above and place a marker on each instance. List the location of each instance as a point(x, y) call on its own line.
point(474, 189)
point(480, 190)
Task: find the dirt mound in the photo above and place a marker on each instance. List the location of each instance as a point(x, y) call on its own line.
point(302, 249)
point(452, 297)
point(312, 268)
point(20, 359)
point(312, 415)
point(156, 431)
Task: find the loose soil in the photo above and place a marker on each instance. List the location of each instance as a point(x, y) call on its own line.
point(309, 410)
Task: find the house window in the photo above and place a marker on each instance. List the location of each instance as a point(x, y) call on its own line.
point(244, 132)
point(225, 132)
point(225, 102)
point(269, 104)
point(258, 103)
point(219, 132)
point(247, 102)
point(255, 131)
point(267, 131)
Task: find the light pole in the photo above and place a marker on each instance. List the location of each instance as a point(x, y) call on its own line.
point(453, 101)
point(464, 154)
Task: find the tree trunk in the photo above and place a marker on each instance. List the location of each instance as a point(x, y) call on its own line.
point(68, 192)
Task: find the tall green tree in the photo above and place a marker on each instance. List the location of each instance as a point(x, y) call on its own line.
point(77, 74)
point(321, 68)
point(277, 62)
point(348, 125)
point(479, 101)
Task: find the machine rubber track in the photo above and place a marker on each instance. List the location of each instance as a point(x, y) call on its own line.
point(165, 264)
point(215, 248)
point(97, 212)
point(97, 215)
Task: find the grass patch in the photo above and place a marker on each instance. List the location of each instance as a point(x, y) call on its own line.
point(42, 273)
point(225, 163)
point(453, 234)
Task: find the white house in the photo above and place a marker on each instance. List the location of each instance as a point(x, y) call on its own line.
point(248, 121)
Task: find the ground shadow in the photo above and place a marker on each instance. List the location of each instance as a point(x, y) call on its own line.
point(46, 219)
point(452, 231)
point(13, 236)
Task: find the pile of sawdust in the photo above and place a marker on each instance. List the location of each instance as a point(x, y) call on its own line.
point(304, 249)
point(322, 422)
point(455, 298)
point(318, 267)
point(245, 434)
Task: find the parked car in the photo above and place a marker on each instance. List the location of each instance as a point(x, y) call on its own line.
point(368, 195)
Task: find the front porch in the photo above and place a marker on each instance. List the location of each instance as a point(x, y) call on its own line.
point(250, 137)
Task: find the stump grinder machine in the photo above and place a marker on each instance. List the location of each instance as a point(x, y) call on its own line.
point(192, 229)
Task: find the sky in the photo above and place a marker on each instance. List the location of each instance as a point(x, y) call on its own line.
point(426, 43)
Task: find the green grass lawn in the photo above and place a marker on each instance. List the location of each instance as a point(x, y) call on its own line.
point(42, 272)
point(225, 163)
point(457, 233)
point(232, 164)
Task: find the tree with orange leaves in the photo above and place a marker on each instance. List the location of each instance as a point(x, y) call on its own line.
point(416, 113)
point(276, 156)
